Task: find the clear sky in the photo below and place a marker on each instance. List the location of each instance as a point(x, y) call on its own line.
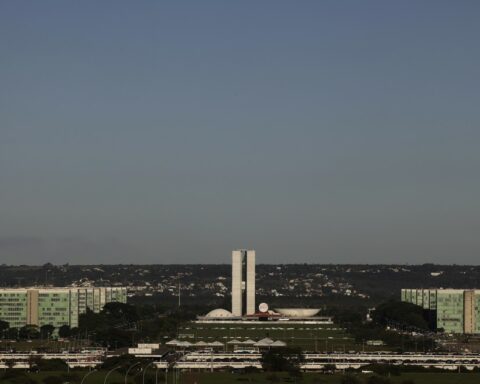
point(173, 132)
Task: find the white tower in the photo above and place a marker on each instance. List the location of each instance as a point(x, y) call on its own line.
point(243, 279)
point(237, 279)
point(250, 282)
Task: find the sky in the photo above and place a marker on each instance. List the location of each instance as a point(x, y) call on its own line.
point(176, 131)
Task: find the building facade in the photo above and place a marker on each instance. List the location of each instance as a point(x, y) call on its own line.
point(55, 306)
point(456, 310)
point(243, 281)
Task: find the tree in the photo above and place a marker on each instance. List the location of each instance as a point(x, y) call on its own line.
point(51, 365)
point(29, 332)
point(118, 313)
point(400, 312)
point(282, 360)
point(4, 325)
point(11, 333)
point(113, 326)
point(64, 331)
point(46, 331)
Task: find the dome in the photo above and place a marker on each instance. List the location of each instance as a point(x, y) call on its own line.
point(298, 312)
point(219, 312)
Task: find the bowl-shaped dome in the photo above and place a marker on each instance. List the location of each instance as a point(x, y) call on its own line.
point(298, 312)
point(219, 312)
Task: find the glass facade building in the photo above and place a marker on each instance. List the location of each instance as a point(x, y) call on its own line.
point(456, 310)
point(55, 306)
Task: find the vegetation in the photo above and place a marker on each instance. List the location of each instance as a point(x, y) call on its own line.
point(4, 325)
point(400, 313)
point(402, 317)
point(282, 360)
point(134, 377)
point(350, 379)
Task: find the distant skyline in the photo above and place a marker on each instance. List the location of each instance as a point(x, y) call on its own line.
point(174, 132)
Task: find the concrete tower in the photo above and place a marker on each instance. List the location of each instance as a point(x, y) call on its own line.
point(243, 280)
point(237, 280)
point(250, 282)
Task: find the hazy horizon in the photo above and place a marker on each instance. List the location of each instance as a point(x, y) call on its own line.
point(314, 132)
point(228, 264)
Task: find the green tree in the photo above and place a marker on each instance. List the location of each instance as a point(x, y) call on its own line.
point(114, 326)
point(46, 331)
point(29, 332)
point(4, 325)
point(282, 359)
point(12, 333)
point(64, 331)
point(400, 312)
point(120, 314)
point(51, 365)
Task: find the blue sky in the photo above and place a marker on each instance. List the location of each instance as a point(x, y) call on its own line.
point(173, 132)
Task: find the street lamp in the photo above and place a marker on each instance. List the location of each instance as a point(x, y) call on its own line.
point(88, 373)
point(108, 374)
point(128, 370)
point(145, 371)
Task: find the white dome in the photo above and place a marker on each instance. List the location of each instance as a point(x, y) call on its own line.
point(298, 312)
point(219, 312)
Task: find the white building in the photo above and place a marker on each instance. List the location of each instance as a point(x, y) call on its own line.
point(243, 280)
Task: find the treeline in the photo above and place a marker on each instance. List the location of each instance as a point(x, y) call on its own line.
point(27, 332)
point(401, 326)
point(117, 325)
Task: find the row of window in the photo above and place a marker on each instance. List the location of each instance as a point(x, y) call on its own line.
point(3, 300)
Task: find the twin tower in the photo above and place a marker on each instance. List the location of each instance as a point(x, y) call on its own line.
point(243, 282)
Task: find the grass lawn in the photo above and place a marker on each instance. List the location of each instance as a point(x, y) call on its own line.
point(260, 378)
point(307, 336)
point(314, 378)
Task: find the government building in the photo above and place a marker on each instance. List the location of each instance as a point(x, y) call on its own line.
point(454, 310)
point(55, 306)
